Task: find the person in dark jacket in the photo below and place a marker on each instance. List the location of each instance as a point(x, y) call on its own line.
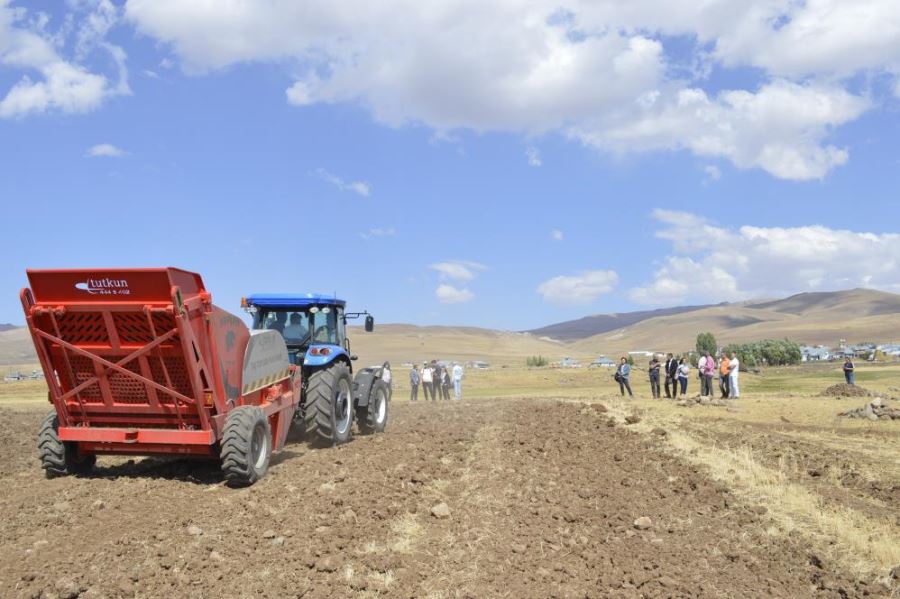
point(849, 374)
point(670, 371)
point(414, 380)
point(622, 374)
point(654, 376)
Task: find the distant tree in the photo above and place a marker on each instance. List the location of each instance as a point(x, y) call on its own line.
point(706, 342)
point(630, 360)
point(536, 361)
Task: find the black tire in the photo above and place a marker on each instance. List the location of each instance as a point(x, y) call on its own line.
point(60, 458)
point(328, 411)
point(373, 417)
point(246, 446)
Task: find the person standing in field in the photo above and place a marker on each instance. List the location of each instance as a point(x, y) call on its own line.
point(387, 377)
point(701, 364)
point(445, 383)
point(414, 380)
point(723, 375)
point(427, 374)
point(849, 374)
point(684, 369)
point(654, 376)
point(622, 374)
point(435, 380)
point(457, 381)
point(707, 371)
point(671, 368)
point(734, 371)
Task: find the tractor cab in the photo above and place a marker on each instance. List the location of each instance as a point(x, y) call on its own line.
point(313, 326)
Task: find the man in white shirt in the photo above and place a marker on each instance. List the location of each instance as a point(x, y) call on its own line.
point(734, 370)
point(457, 381)
point(427, 381)
point(701, 366)
point(295, 331)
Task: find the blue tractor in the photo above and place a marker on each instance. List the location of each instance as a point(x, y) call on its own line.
point(314, 328)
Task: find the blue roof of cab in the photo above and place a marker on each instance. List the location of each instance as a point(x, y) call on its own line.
point(293, 300)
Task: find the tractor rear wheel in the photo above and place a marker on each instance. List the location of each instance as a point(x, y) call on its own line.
point(373, 417)
point(59, 458)
point(246, 446)
point(329, 405)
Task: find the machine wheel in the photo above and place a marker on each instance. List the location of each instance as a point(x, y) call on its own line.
point(329, 405)
point(59, 458)
point(246, 446)
point(373, 418)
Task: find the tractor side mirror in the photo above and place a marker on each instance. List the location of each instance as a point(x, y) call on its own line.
point(370, 323)
point(354, 357)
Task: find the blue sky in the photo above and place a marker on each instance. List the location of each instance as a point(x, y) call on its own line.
point(457, 181)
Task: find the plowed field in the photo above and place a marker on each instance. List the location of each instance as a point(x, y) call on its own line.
point(543, 500)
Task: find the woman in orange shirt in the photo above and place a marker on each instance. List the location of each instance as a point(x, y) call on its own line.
point(724, 364)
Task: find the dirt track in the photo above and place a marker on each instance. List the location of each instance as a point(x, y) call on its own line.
point(543, 497)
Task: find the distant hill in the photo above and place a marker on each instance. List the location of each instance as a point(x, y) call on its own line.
point(813, 318)
point(588, 326)
point(7, 327)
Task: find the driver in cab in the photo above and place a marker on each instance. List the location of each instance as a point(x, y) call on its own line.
point(295, 329)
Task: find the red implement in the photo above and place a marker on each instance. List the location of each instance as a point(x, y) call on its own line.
point(139, 361)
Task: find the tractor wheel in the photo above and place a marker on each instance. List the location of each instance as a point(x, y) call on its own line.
point(329, 405)
point(246, 446)
point(373, 418)
point(59, 458)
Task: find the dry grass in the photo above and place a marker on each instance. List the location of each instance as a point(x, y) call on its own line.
point(864, 544)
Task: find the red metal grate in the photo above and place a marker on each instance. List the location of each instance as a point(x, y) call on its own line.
point(178, 374)
point(83, 369)
point(83, 328)
point(128, 390)
point(134, 329)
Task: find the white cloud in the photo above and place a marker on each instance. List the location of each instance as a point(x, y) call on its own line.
point(105, 150)
point(533, 156)
point(448, 294)
point(358, 187)
point(378, 232)
point(582, 288)
point(780, 128)
point(458, 270)
point(556, 235)
point(595, 70)
point(61, 84)
point(719, 263)
point(712, 173)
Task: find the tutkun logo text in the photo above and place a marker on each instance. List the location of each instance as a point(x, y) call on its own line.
point(104, 286)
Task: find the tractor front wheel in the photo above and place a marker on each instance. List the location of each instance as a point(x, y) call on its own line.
point(373, 417)
point(328, 411)
point(59, 458)
point(246, 446)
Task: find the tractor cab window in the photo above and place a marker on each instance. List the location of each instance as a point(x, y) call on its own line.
point(324, 324)
point(293, 325)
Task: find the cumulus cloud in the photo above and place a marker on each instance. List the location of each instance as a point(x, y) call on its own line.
point(556, 235)
point(51, 82)
point(358, 187)
point(715, 263)
point(458, 270)
point(779, 128)
point(598, 70)
point(448, 294)
point(582, 288)
point(533, 156)
point(105, 150)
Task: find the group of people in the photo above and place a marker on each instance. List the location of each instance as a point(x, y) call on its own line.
point(435, 380)
point(676, 373)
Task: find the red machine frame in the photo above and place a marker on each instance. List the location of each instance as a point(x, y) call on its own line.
point(149, 368)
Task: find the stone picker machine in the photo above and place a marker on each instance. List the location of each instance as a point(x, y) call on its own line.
point(140, 361)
